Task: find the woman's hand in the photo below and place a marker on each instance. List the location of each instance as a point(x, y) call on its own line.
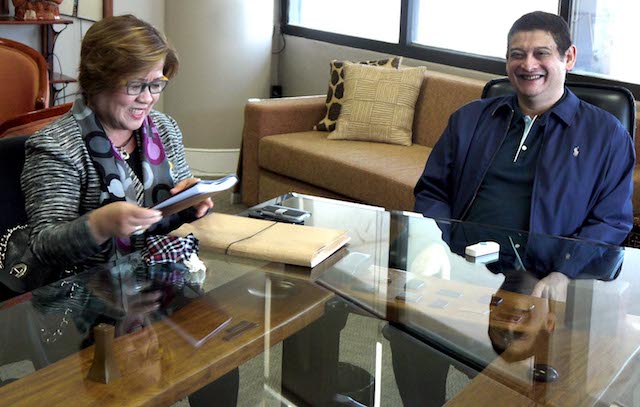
point(120, 219)
point(202, 207)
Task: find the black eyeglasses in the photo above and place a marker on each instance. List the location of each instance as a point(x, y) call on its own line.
point(136, 87)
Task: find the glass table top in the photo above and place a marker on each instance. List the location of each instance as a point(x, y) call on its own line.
point(404, 314)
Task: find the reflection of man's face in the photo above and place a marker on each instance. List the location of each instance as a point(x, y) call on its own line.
point(518, 325)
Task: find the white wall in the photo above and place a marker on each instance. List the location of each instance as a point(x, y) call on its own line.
point(151, 11)
point(304, 65)
point(225, 52)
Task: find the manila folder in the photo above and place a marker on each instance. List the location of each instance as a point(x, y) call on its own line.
point(265, 240)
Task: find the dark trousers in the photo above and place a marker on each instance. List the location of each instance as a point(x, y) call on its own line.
point(221, 393)
point(420, 371)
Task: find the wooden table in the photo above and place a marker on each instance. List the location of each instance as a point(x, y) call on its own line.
point(159, 367)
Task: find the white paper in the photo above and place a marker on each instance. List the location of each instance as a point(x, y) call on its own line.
point(201, 188)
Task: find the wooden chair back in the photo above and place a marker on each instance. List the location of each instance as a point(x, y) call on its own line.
point(24, 79)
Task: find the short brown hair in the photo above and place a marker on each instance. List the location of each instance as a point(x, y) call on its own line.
point(118, 48)
point(539, 20)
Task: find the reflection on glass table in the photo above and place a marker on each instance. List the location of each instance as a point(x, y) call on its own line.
point(381, 322)
point(172, 337)
point(543, 315)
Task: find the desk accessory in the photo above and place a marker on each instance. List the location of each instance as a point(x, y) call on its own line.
point(104, 368)
point(482, 249)
point(278, 212)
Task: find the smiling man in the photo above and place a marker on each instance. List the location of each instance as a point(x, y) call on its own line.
point(541, 160)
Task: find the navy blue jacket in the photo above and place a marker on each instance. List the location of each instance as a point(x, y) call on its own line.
point(584, 175)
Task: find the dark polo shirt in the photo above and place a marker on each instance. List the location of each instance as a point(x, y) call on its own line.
point(504, 197)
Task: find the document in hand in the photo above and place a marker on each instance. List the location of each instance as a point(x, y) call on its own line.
point(265, 240)
point(195, 194)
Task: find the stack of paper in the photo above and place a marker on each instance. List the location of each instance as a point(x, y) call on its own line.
point(195, 194)
point(265, 240)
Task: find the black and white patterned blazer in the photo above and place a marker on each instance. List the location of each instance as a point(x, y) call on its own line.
point(61, 186)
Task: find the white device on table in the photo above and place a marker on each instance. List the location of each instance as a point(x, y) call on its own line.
point(482, 249)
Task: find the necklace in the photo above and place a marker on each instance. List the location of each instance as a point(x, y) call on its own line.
point(122, 150)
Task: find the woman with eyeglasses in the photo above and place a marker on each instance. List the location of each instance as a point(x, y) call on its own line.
point(90, 177)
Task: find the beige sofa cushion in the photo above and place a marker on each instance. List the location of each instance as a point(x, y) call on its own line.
point(335, 93)
point(376, 173)
point(378, 104)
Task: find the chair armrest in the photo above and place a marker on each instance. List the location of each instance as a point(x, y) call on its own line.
point(265, 117)
point(29, 123)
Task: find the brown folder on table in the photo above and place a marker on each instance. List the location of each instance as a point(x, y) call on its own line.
point(266, 240)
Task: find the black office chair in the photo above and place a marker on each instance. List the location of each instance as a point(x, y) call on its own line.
point(12, 210)
point(616, 100)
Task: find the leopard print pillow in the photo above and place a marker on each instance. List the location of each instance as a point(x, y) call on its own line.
point(336, 89)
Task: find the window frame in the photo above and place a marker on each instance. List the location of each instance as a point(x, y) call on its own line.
point(448, 57)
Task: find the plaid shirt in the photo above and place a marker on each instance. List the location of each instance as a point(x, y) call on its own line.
point(162, 249)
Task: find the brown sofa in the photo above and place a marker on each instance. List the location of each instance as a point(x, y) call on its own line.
point(281, 152)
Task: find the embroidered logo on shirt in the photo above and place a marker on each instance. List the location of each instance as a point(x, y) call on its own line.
point(576, 151)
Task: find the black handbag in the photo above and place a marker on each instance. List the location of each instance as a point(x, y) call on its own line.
point(20, 271)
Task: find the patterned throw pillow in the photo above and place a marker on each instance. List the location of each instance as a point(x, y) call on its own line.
point(336, 89)
point(378, 104)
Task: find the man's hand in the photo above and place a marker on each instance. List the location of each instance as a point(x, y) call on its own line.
point(553, 286)
point(120, 219)
point(202, 207)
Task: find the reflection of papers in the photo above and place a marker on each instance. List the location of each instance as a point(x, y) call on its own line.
point(354, 263)
point(89, 9)
point(199, 320)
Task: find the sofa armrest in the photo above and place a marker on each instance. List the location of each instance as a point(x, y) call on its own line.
point(265, 117)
